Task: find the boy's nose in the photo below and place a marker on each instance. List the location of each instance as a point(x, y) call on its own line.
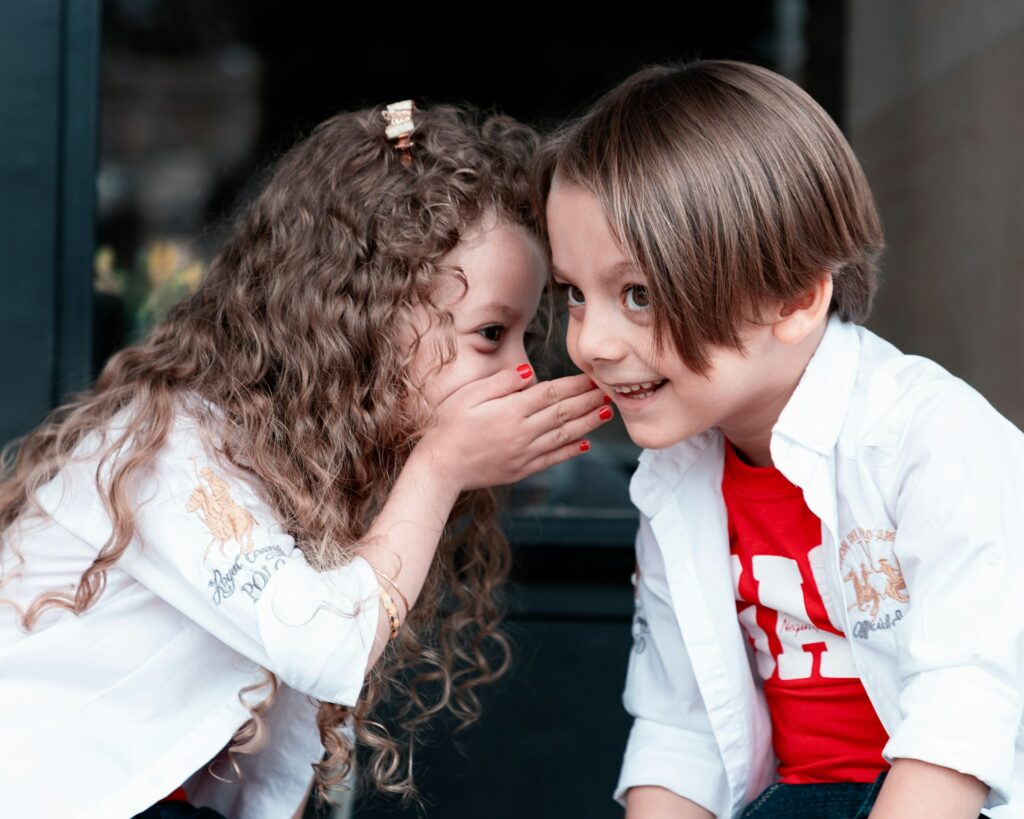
point(595, 340)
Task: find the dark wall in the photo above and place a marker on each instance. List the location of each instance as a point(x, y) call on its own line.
point(49, 58)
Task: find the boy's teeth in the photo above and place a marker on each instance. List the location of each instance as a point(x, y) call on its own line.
point(643, 388)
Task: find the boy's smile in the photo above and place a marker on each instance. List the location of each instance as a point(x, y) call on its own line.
point(610, 337)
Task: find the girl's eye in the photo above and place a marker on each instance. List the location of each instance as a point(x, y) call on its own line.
point(492, 332)
point(637, 297)
point(573, 296)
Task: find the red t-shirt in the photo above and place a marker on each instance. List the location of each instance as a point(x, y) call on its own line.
point(824, 727)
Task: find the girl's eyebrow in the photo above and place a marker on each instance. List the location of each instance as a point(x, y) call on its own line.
point(612, 273)
point(506, 311)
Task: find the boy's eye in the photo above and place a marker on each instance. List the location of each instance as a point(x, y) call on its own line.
point(573, 295)
point(492, 332)
point(637, 297)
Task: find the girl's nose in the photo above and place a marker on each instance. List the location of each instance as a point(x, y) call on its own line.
point(514, 355)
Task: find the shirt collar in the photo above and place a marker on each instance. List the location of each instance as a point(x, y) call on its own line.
point(661, 469)
point(815, 412)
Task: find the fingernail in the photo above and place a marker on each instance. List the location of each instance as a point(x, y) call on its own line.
point(607, 399)
point(593, 386)
point(525, 371)
point(605, 413)
point(584, 446)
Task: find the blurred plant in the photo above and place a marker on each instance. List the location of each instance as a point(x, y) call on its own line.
point(163, 274)
point(108, 279)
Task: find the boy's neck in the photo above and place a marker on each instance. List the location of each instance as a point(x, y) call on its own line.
point(751, 435)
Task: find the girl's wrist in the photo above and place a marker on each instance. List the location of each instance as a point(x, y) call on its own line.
point(435, 468)
point(433, 472)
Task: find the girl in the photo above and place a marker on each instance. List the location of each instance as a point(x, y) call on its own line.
point(829, 616)
point(203, 555)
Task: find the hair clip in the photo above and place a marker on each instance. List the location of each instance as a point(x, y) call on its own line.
point(398, 116)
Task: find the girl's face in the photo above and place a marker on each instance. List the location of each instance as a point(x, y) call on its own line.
point(506, 270)
point(611, 338)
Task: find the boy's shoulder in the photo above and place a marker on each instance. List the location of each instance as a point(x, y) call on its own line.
point(900, 400)
point(864, 400)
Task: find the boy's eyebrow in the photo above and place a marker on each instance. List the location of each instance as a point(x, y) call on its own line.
point(609, 274)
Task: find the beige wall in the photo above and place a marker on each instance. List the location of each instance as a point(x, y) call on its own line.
point(935, 111)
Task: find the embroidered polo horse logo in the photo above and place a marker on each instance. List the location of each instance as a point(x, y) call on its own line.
point(895, 585)
point(868, 596)
point(226, 520)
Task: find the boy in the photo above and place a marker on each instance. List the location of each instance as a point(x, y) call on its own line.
point(829, 564)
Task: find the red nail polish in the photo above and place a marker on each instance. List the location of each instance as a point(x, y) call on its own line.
point(525, 371)
point(605, 413)
point(584, 446)
point(607, 399)
point(593, 386)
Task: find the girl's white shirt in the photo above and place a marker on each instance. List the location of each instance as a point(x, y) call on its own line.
point(910, 470)
point(107, 712)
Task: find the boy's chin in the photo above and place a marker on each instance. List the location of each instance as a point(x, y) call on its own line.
point(651, 436)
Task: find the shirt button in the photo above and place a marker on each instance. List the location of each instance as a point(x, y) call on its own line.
point(994, 557)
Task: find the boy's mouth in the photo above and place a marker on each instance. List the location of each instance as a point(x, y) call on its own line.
point(641, 390)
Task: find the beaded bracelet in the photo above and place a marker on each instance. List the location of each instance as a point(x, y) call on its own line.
point(391, 582)
point(392, 610)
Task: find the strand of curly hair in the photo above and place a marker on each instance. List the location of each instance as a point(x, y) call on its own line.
point(294, 338)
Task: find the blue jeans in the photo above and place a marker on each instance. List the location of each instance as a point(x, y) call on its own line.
point(832, 800)
point(178, 810)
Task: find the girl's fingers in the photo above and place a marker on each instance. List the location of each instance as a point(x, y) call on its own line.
point(570, 431)
point(550, 393)
point(566, 452)
point(569, 409)
point(502, 383)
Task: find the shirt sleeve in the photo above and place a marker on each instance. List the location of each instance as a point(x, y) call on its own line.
point(671, 743)
point(957, 488)
point(208, 545)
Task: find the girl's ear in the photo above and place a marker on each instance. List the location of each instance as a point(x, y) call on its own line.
point(799, 318)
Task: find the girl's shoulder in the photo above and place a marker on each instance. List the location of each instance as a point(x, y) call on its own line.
point(193, 461)
point(187, 459)
point(115, 437)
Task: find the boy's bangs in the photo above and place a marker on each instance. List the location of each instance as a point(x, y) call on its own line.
point(731, 189)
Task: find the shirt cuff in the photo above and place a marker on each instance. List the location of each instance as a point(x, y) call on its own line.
point(319, 628)
point(684, 762)
point(960, 718)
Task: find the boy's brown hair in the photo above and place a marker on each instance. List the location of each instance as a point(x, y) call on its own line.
point(730, 188)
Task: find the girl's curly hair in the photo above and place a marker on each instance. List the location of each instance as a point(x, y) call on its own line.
point(295, 338)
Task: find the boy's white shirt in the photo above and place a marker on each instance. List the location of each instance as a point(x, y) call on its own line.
point(902, 462)
point(106, 713)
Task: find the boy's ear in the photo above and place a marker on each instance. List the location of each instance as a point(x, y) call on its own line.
point(799, 318)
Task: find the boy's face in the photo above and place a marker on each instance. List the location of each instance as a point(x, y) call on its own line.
point(611, 338)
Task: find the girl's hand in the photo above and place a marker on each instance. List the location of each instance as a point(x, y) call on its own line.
point(502, 428)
